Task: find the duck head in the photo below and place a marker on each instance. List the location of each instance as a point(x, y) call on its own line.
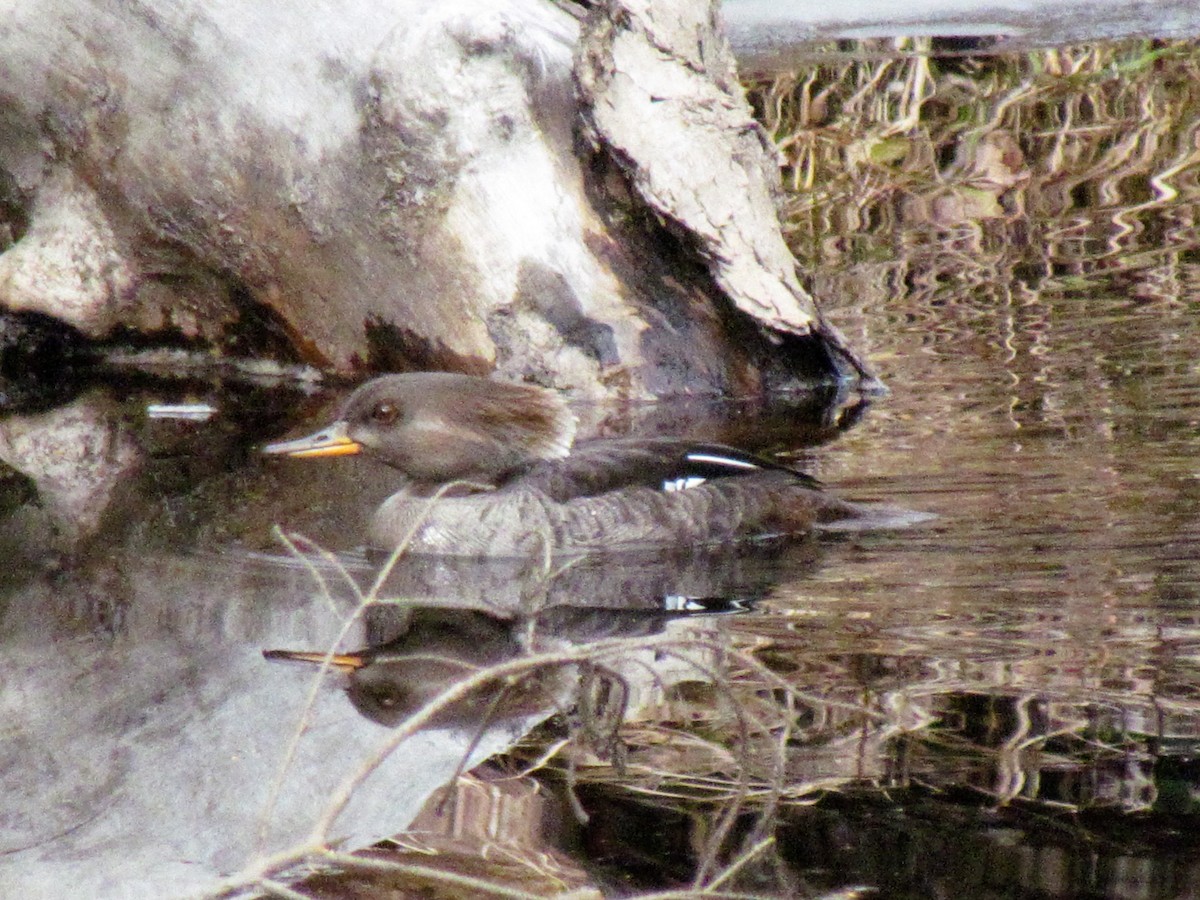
point(438, 427)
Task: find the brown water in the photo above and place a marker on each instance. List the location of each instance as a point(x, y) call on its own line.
point(1039, 642)
point(1032, 657)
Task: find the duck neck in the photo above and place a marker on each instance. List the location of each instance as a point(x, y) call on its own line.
point(417, 490)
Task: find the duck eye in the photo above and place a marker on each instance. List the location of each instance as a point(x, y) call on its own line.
point(384, 413)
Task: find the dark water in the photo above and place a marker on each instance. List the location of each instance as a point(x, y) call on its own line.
point(1003, 702)
point(1030, 658)
point(1037, 644)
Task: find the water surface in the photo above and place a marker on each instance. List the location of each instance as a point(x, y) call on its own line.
point(1002, 702)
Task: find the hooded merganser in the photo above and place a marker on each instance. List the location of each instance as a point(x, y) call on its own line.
point(521, 489)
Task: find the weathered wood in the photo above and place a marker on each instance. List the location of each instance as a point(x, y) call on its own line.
point(660, 93)
point(400, 186)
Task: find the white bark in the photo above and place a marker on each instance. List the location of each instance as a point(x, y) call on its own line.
point(398, 183)
point(663, 97)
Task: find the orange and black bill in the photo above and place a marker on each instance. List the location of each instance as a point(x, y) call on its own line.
point(344, 661)
point(330, 441)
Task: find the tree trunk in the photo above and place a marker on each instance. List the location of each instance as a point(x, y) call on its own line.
point(402, 186)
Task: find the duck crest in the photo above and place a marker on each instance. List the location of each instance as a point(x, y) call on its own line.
point(534, 418)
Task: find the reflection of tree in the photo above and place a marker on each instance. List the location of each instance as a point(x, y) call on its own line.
point(1024, 245)
point(77, 456)
point(1071, 148)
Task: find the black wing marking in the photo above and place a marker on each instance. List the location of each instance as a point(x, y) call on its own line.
point(665, 464)
point(706, 461)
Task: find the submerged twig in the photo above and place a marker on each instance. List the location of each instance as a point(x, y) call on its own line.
point(363, 601)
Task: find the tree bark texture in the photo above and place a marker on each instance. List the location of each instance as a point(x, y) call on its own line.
point(402, 186)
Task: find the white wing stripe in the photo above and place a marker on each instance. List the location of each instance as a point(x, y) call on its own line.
point(721, 461)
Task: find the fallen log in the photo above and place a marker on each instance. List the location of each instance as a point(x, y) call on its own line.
point(404, 186)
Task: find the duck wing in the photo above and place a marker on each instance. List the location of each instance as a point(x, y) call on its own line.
point(664, 464)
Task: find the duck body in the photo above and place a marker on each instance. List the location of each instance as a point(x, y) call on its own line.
point(600, 499)
point(491, 472)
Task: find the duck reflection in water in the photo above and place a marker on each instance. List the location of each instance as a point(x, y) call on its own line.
point(466, 614)
point(414, 654)
point(397, 675)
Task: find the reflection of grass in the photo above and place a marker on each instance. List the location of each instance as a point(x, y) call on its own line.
point(901, 741)
point(950, 143)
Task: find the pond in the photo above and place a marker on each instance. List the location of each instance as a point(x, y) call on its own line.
point(1003, 701)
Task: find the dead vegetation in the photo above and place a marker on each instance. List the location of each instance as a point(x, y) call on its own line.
point(906, 153)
